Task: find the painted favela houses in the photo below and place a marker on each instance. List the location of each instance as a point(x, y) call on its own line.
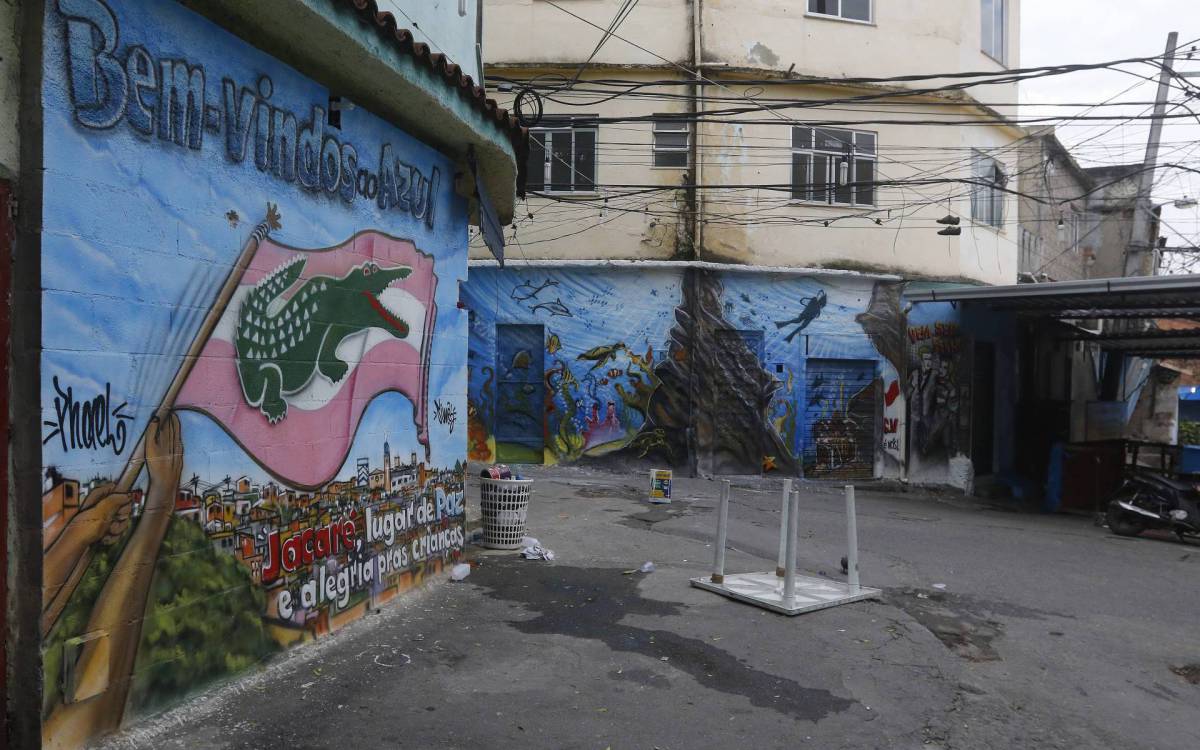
point(253, 363)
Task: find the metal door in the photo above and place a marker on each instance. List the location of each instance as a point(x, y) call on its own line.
point(839, 419)
point(520, 394)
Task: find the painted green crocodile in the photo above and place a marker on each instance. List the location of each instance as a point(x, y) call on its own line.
point(282, 344)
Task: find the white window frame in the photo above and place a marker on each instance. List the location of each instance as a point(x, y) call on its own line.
point(832, 157)
point(987, 196)
point(567, 125)
point(995, 48)
point(1032, 250)
point(671, 126)
point(838, 15)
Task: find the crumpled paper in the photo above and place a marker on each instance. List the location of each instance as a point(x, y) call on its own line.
point(537, 552)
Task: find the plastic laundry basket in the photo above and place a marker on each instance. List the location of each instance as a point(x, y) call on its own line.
point(504, 503)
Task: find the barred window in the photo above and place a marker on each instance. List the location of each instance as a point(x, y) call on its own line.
point(994, 29)
point(670, 142)
point(987, 194)
point(562, 156)
point(833, 166)
point(851, 10)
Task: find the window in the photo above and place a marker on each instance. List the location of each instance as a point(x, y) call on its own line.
point(987, 195)
point(851, 10)
point(670, 142)
point(833, 166)
point(993, 27)
point(562, 156)
point(1074, 232)
point(1031, 251)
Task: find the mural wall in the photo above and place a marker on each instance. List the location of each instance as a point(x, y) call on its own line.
point(254, 365)
point(939, 390)
point(736, 373)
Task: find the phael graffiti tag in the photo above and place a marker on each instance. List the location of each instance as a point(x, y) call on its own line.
point(89, 424)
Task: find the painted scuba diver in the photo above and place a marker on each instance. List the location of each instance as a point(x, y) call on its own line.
point(812, 310)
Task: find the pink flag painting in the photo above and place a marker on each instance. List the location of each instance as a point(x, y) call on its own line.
point(307, 340)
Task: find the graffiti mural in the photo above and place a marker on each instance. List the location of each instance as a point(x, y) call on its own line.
point(938, 384)
point(672, 367)
point(252, 361)
point(570, 355)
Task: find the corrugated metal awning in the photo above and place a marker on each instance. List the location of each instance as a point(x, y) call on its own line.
point(1138, 297)
point(1134, 297)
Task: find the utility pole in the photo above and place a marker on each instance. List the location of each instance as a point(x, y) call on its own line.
point(1139, 241)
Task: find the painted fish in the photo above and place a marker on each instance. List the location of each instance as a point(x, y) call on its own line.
point(555, 308)
point(614, 372)
point(602, 355)
point(521, 360)
point(812, 310)
point(526, 291)
point(604, 381)
point(553, 344)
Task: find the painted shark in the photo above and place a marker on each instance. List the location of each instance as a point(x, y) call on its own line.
point(281, 344)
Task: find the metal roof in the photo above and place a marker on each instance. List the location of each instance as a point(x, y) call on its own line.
point(1122, 298)
point(1132, 298)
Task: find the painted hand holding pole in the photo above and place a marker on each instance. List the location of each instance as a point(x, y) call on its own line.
point(789, 574)
point(780, 565)
point(851, 540)
point(718, 575)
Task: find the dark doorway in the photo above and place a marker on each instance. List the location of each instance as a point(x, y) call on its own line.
point(839, 419)
point(983, 409)
point(520, 394)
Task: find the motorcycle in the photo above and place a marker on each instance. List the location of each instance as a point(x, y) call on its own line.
point(1147, 500)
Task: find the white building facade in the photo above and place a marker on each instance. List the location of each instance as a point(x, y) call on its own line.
point(725, 203)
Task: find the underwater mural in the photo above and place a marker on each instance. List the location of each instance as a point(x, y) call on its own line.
point(253, 364)
point(562, 364)
point(689, 368)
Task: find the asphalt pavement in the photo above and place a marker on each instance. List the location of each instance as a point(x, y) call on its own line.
point(997, 629)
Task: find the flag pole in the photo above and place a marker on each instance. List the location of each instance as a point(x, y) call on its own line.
point(137, 458)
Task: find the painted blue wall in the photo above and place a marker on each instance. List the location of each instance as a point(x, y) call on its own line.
point(610, 330)
point(146, 209)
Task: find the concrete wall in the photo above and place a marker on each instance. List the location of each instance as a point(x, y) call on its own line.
point(240, 344)
point(532, 31)
point(448, 26)
point(10, 60)
point(769, 228)
point(907, 37)
point(760, 224)
point(704, 368)
point(1050, 175)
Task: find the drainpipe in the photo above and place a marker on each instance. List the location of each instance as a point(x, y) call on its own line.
point(691, 276)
